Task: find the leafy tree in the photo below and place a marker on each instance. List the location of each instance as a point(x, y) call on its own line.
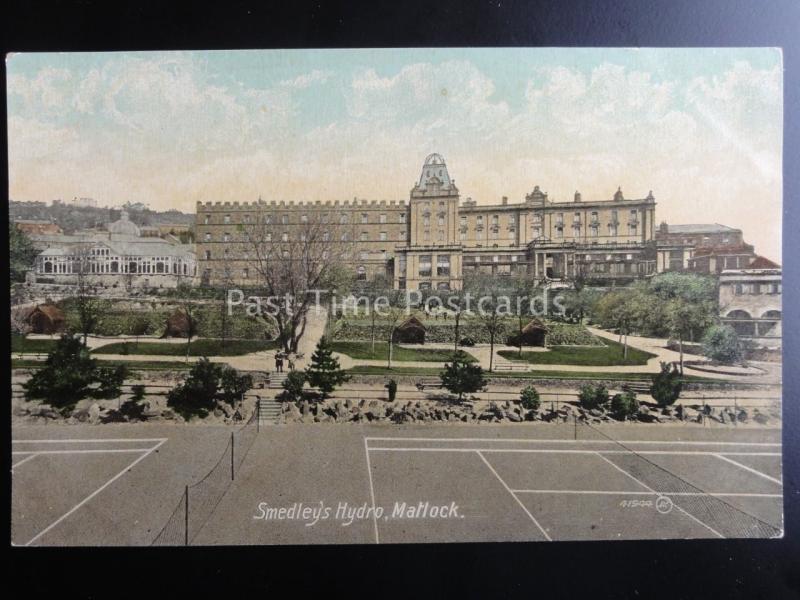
point(529, 398)
point(683, 318)
point(592, 395)
point(667, 385)
point(722, 344)
point(293, 386)
point(66, 377)
point(624, 405)
point(21, 253)
point(491, 313)
point(462, 377)
point(324, 372)
point(137, 394)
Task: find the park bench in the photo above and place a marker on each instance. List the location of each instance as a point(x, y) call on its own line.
point(429, 382)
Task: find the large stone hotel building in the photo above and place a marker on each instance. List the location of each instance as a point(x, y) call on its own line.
point(432, 240)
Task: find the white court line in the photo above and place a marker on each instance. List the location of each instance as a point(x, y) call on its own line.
point(102, 451)
point(513, 495)
point(630, 493)
point(372, 493)
point(570, 441)
point(560, 451)
point(24, 460)
point(89, 441)
point(644, 485)
point(746, 468)
point(94, 493)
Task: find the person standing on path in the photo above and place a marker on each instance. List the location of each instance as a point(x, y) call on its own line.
point(279, 363)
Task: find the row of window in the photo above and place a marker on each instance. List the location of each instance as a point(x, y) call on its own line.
point(326, 237)
point(754, 289)
point(285, 219)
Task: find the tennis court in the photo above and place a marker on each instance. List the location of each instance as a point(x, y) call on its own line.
point(330, 484)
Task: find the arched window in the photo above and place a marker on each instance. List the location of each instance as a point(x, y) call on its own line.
point(742, 322)
point(132, 267)
point(48, 267)
point(114, 266)
point(361, 273)
point(159, 267)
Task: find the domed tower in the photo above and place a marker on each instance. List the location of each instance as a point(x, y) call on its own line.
point(433, 229)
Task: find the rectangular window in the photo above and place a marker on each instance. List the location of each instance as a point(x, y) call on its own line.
point(463, 221)
point(285, 237)
point(425, 265)
point(364, 236)
point(207, 219)
point(363, 255)
point(304, 218)
point(226, 219)
point(559, 231)
point(364, 218)
point(402, 236)
point(495, 220)
point(382, 236)
point(426, 236)
point(207, 237)
point(560, 219)
point(402, 217)
point(208, 254)
point(226, 237)
point(441, 221)
point(245, 273)
point(595, 217)
point(426, 221)
point(382, 218)
point(443, 265)
point(285, 219)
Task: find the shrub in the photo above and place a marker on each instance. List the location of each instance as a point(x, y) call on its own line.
point(467, 342)
point(66, 376)
point(592, 396)
point(137, 393)
point(132, 410)
point(293, 386)
point(529, 398)
point(624, 405)
point(111, 380)
point(233, 386)
point(667, 385)
point(722, 344)
point(461, 377)
point(391, 388)
point(197, 395)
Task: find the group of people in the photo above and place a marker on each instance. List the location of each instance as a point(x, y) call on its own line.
point(289, 357)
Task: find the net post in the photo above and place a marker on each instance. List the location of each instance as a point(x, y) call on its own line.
point(575, 418)
point(258, 415)
point(232, 447)
point(186, 516)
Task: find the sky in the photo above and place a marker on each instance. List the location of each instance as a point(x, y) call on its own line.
point(701, 128)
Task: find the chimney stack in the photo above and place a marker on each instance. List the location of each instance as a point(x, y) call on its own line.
point(505, 200)
point(577, 196)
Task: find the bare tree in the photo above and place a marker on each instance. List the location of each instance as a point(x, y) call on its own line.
point(86, 303)
point(297, 265)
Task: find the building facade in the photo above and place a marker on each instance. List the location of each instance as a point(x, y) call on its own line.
point(120, 257)
point(432, 240)
point(701, 248)
point(750, 301)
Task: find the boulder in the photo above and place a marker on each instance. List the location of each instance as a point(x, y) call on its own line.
point(94, 413)
point(760, 418)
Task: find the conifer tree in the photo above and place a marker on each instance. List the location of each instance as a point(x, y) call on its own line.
point(324, 372)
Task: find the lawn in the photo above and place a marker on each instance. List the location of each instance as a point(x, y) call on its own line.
point(363, 350)
point(201, 347)
point(609, 355)
point(142, 365)
point(596, 375)
point(34, 346)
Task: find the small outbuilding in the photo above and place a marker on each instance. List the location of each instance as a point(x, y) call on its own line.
point(533, 334)
point(47, 319)
point(410, 331)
